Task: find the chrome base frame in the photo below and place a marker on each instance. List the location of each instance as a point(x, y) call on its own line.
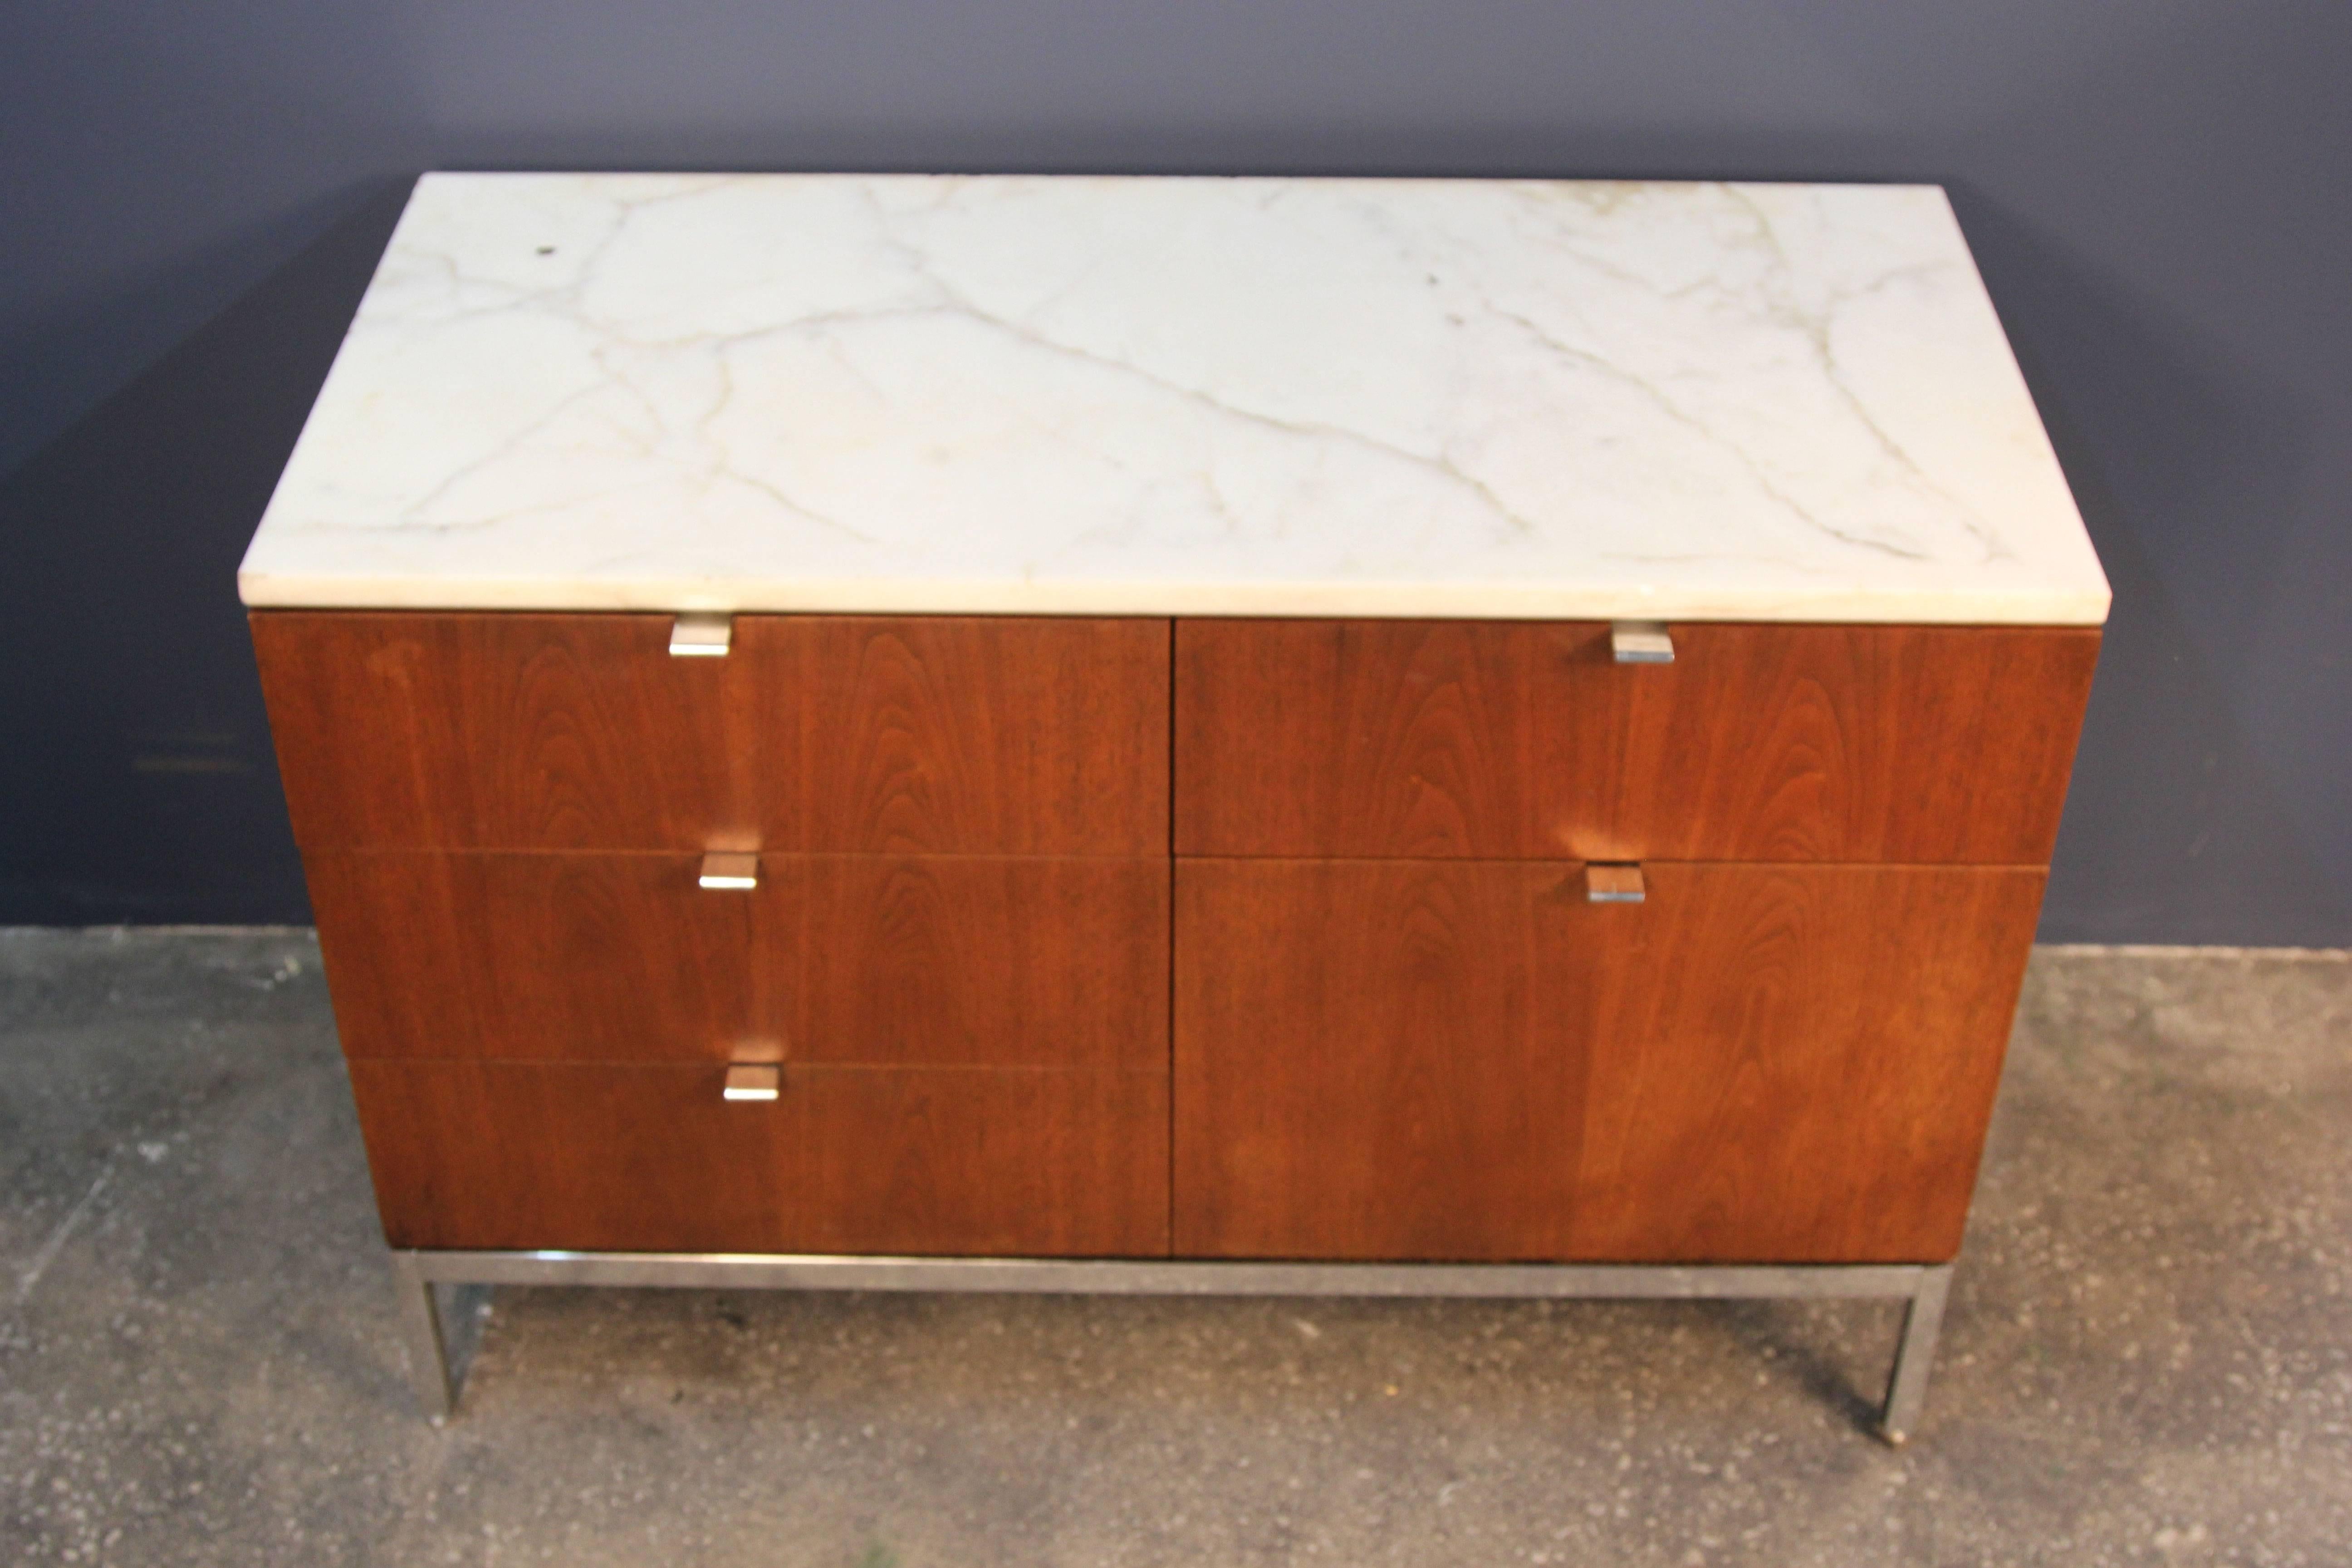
point(1922, 1287)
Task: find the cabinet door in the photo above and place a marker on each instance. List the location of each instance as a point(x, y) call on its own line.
point(1459, 1060)
point(1937, 744)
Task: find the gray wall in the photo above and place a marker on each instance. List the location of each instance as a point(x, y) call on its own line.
point(190, 204)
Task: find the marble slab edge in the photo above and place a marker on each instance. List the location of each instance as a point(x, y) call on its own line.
point(1409, 601)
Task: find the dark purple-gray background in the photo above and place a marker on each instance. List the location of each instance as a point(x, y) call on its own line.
point(192, 199)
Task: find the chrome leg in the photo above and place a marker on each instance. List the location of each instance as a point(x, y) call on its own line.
point(425, 1337)
point(1906, 1390)
point(422, 1342)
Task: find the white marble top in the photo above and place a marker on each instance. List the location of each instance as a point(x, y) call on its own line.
point(1152, 395)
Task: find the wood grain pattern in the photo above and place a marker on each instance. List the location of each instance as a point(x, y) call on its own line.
point(968, 961)
point(1798, 1062)
point(899, 734)
point(963, 960)
point(960, 946)
point(536, 957)
point(503, 732)
point(1003, 1164)
point(1900, 744)
point(936, 734)
point(644, 1158)
point(1375, 1059)
point(1433, 1058)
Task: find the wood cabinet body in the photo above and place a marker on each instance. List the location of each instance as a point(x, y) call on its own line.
point(1212, 938)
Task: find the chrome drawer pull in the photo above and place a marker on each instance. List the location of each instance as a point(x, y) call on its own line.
point(701, 634)
point(730, 871)
point(1613, 884)
point(1635, 642)
point(754, 1083)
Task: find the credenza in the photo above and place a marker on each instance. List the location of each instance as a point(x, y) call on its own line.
point(1440, 737)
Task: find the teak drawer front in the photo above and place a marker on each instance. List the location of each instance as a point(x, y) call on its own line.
point(1432, 1058)
point(941, 961)
point(834, 733)
point(501, 1155)
point(1527, 740)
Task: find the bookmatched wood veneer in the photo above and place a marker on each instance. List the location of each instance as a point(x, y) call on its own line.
point(1506, 738)
point(1399, 1028)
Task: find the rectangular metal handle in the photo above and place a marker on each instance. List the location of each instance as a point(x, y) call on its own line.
point(1641, 642)
point(730, 871)
point(701, 634)
point(1613, 884)
point(749, 1082)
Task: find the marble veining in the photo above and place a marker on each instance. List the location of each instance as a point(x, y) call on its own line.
point(1154, 395)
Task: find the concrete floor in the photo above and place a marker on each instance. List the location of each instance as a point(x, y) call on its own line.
point(2148, 1358)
